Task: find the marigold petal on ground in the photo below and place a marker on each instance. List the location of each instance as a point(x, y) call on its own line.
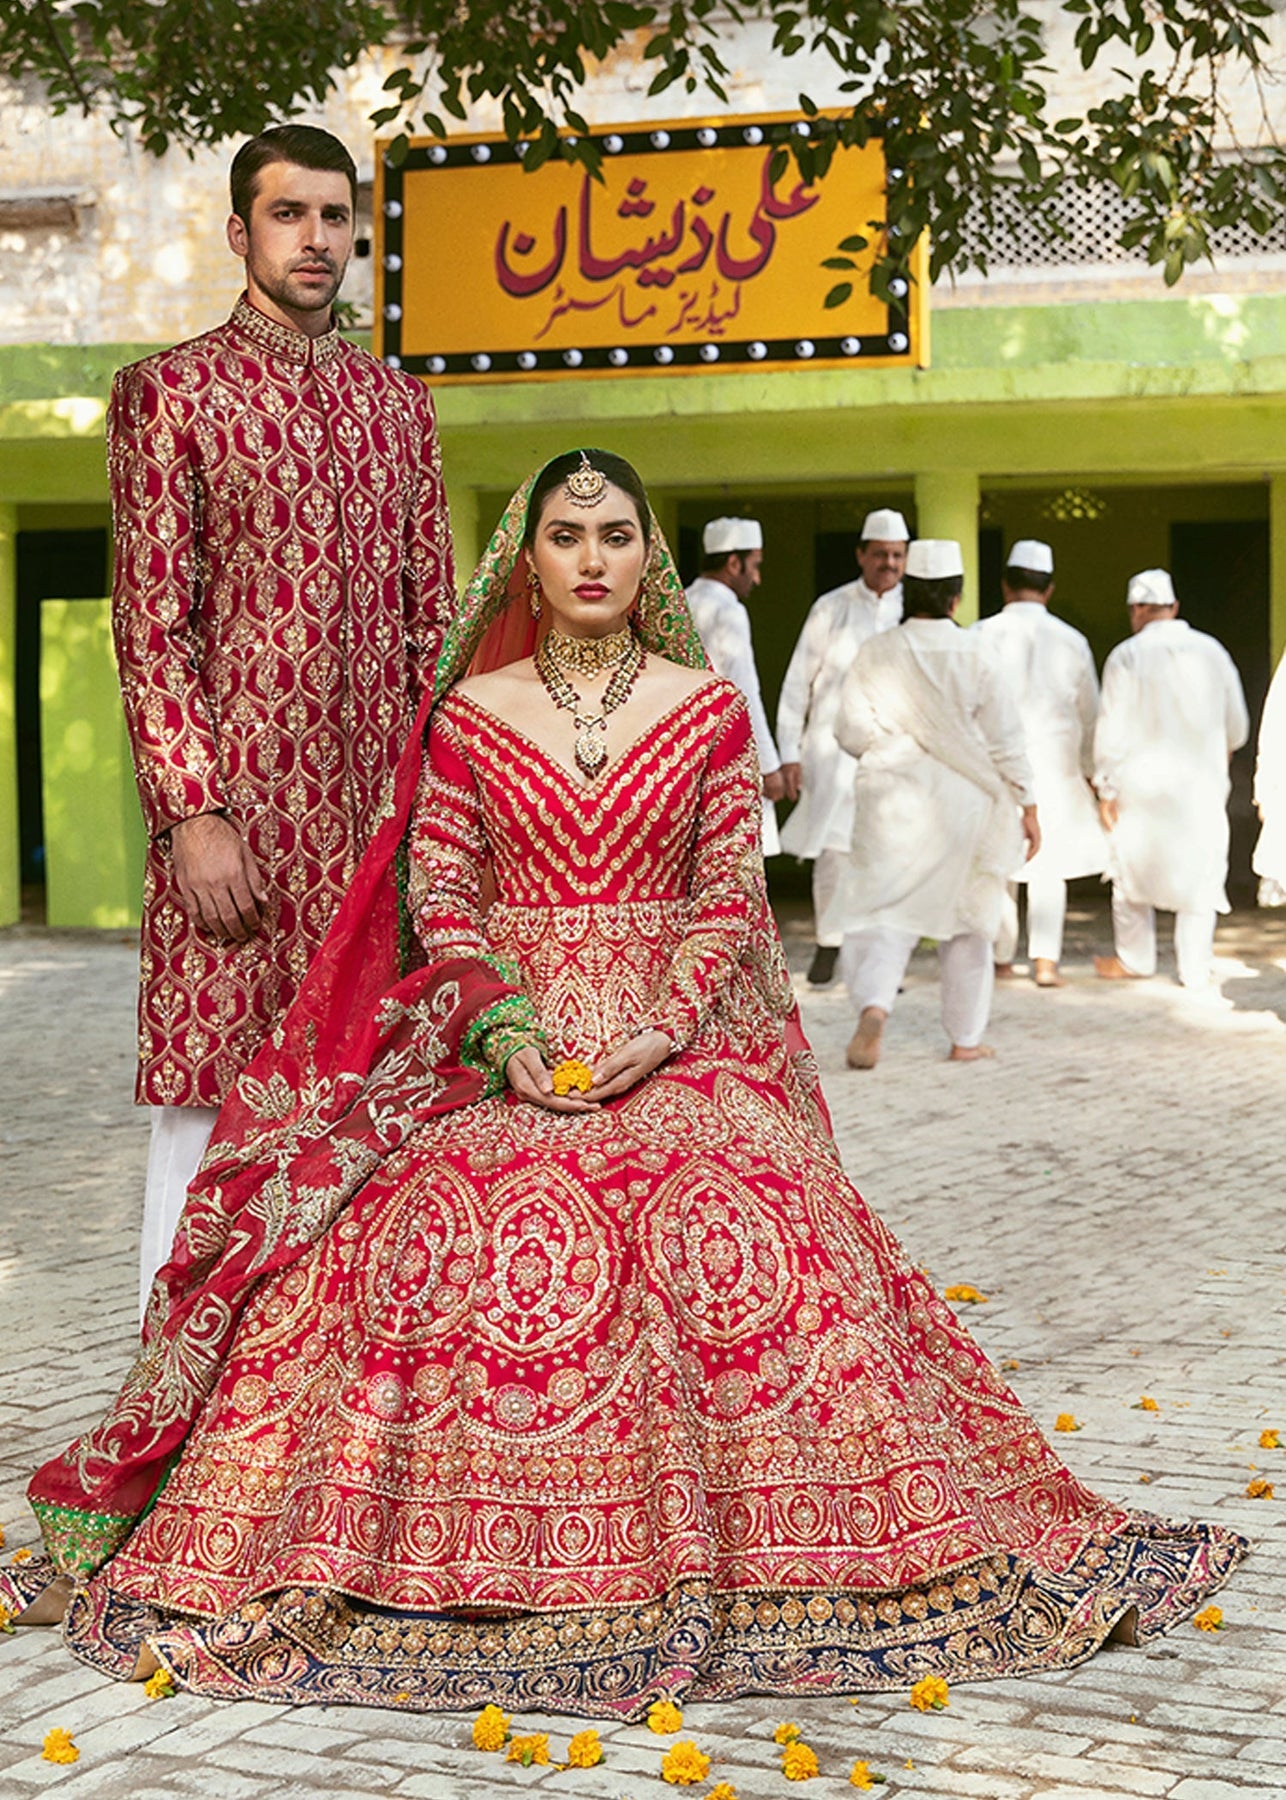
point(6, 1621)
point(1268, 1440)
point(1067, 1422)
point(490, 1729)
point(798, 1762)
point(528, 1750)
point(584, 1751)
point(159, 1686)
point(964, 1293)
point(1259, 1489)
point(930, 1694)
point(663, 1717)
point(724, 1791)
point(1210, 1619)
point(59, 1747)
point(20, 1556)
point(864, 1777)
point(683, 1765)
point(1145, 1403)
point(786, 1733)
point(1, 1537)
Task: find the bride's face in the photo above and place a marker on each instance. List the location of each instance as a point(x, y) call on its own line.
point(590, 562)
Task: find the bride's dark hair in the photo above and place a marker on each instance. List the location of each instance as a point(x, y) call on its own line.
point(620, 473)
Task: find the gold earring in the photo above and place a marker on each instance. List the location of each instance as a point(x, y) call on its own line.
point(533, 593)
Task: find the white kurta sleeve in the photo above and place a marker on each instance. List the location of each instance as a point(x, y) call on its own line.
point(855, 723)
point(1236, 717)
point(1112, 732)
point(806, 663)
point(1087, 708)
point(1270, 755)
point(1002, 730)
point(734, 658)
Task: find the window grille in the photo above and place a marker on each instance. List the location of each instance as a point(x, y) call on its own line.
point(1093, 220)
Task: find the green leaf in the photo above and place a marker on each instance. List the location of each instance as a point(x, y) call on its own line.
point(838, 294)
point(854, 243)
point(839, 262)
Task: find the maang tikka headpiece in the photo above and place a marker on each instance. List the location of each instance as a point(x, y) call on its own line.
point(586, 485)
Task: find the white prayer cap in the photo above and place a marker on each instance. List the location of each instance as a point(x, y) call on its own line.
point(722, 537)
point(934, 559)
point(1151, 587)
point(1030, 553)
point(886, 524)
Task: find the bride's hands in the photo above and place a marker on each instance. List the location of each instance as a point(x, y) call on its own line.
point(531, 1081)
point(619, 1071)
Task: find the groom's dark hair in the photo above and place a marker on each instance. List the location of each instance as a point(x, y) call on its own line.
point(307, 146)
point(620, 473)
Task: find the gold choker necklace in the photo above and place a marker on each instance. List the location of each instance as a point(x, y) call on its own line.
point(590, 750)
point(589, 656)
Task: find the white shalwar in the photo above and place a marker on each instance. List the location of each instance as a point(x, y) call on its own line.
point(723, 625)
point(1048, 669)
point(1269, 861)
point(179, 1138)
point(936, 835)
point(821, 825)
point(1171, 715)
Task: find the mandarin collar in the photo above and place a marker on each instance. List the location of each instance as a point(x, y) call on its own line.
point(284, 340)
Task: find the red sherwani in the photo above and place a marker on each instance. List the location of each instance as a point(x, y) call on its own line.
point(283, 577)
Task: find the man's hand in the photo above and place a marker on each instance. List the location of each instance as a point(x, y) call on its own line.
point(792, 775)
point(618, 1072)
point(531, 1081)
point(774, 786)
point(218, 878)
point(1109, 811)
point(1031, 831)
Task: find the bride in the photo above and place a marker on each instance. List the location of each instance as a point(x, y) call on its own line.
point(523, 1340)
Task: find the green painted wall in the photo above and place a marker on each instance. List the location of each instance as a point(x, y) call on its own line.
point(10, 894)
point(94, 835)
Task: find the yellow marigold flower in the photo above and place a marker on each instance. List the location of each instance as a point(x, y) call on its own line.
point(572, 1074)
point(529, 1750)
point(724, 1791)
point(1268, 1440)
point(6, 1621)
point(490, 1729)
point(20, 1556)
point(786, 1734)
point(1209, 1620)
point(59, 1747)
point(1067, 1422)
point(584, 1751)
point(1145, 1403)
point(864, 1777)
point(663, 1717)
point(798, 1762)
point(1, 1537)
point(930, 1694)
point(683, 1765)
point(1259, 1489)
point(159, 1686)
point(963, 1293)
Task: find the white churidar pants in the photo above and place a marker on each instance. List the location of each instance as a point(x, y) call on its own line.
point(872, 964)
point(1046, 913)
point(179, 1137)
point(1134, 930)
point(828, 866)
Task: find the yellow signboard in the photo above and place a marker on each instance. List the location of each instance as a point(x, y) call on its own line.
point(687, 256)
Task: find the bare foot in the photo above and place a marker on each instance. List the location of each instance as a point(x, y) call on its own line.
point(867, 1041)
point(970, 1052)
point(1004, 971)
point(48, 1607)
point(1111, 968)
point(147, 1665)
point(1045, 973)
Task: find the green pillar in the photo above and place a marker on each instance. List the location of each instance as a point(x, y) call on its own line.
point(946, 506)
point(467, 529)
point(10, 874)
point(1276, 568)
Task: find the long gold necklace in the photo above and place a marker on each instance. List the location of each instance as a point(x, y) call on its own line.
point(620, 652)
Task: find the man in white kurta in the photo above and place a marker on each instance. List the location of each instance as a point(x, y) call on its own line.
point(1269, 860)
point(733, 553)
point(1048, 670)
point(943, 801)
point(817, 773)
point(1171, 715)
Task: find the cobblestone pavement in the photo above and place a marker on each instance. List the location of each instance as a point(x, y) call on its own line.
point(1112, 1183)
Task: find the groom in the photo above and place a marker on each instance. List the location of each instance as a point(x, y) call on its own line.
point(283, 579)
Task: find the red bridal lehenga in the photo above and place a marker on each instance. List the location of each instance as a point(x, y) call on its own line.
point(485, 1403)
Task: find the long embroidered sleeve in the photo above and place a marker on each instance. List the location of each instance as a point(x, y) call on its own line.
point(155, 602)
point(428, 578)
point(727, 883)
